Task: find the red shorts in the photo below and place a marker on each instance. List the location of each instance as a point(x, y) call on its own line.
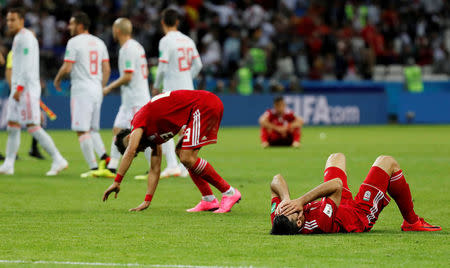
point(204, 124)
point(276, 139)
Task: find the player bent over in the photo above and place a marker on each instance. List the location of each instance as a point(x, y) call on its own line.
point(23, 103)
point(280, 126)
point(158, 121)
point(337, 211)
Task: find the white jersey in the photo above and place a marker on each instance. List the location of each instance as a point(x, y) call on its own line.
point(180, 60)
point(132, 59)
point(25, 63)
point(86, 52)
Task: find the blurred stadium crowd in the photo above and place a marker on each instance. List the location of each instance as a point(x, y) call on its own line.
point(264, 40)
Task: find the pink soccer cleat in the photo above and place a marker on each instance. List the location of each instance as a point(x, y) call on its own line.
point(228, 202)
point(205, 206)
point(419, 226)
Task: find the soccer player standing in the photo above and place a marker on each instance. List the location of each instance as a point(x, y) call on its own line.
point(161, 119)
point(132, 81)
point(23, 103)
point(87, 61)
point(179, 63)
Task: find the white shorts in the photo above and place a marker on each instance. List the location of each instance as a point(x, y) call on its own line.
point(24, 112)
point(124, 116)
point(85, 114)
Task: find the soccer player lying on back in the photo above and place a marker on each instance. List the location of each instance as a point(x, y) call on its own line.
point(337, 211)
point(157, 122)
point(280, 126)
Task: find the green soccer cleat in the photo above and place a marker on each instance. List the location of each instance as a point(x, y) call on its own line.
point(102, 165)
point(88, 174)
point(103, 173)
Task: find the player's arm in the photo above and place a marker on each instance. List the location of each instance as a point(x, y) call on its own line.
point(297, 123)
point(8, 69)
point(123, 79)
point(279, 188)
point(196, 64)
point(265, 123)
point(2, 59)
point(331, 189)
point(127, 159)
point(106, 72)
point(153, 178)
point(65, 69)
point(163, 65)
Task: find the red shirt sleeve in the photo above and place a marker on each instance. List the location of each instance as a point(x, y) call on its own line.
point(289, 116)
point(273, 206)
point(320, 217)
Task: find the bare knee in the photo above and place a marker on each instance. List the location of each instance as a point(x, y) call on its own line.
point(387, 163)
point(336, 160)
point(187, 158)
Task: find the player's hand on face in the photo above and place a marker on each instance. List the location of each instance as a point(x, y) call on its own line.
point(115, 187)
point(144, 205)
point(290, 207)
point(17, 95)
point(278, 210)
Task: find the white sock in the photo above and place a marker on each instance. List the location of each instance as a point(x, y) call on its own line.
point(45, 141)
point(208, 198)
point(148, 154)
point(115, 156)
point(87, 147)
point(168, 149)
point(99, 147)
point(229, 192)
point(12, 145)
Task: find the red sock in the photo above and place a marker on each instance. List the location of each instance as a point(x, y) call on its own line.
point(399, 190)
point(205, 171)
point(202, 185)
point(297, 133)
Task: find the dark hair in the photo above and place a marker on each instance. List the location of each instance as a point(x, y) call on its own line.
point(19, 11)
point(283, 226)
point(277, 99)
point(170, 17)
point(119, 140)
point(83, 19)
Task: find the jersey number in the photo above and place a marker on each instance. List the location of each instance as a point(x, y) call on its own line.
point(185, 58)
point(93, 62)
point(144, 70)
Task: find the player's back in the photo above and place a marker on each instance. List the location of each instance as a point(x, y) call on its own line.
point(86, 52)
point(25, 62)
point(178, 51)
point(132, 59)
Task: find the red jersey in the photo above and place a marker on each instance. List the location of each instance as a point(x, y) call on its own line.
point(287, 117)
point(165, 115)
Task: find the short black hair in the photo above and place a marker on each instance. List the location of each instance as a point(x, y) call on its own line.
point(83, 19)
point(170, 17)
point(283, 226)
point(19, 11)
point(277, 99)
point(119, 140)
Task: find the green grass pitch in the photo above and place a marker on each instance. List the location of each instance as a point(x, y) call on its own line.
point(63, 219)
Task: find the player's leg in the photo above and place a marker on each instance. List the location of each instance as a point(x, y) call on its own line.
point(335, 167)
point(81, 110)
point(172, 169)
point(99, 146)
point(34, 150)
point(114, 153)
point(296, 135)
point(33, 123)
point(12, 145)
point(399, 190)
point(264, 137)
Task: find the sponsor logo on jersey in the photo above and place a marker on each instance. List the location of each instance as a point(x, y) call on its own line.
point(328, 210)
point(128, 64)
point(366, 196)
point(25, 51)
point(274, 206)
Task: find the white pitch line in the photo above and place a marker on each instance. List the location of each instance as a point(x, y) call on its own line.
point(105, 264)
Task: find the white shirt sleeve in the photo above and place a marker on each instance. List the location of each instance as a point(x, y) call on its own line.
point(22, 54)
point(105, 55)
point(71, 53)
